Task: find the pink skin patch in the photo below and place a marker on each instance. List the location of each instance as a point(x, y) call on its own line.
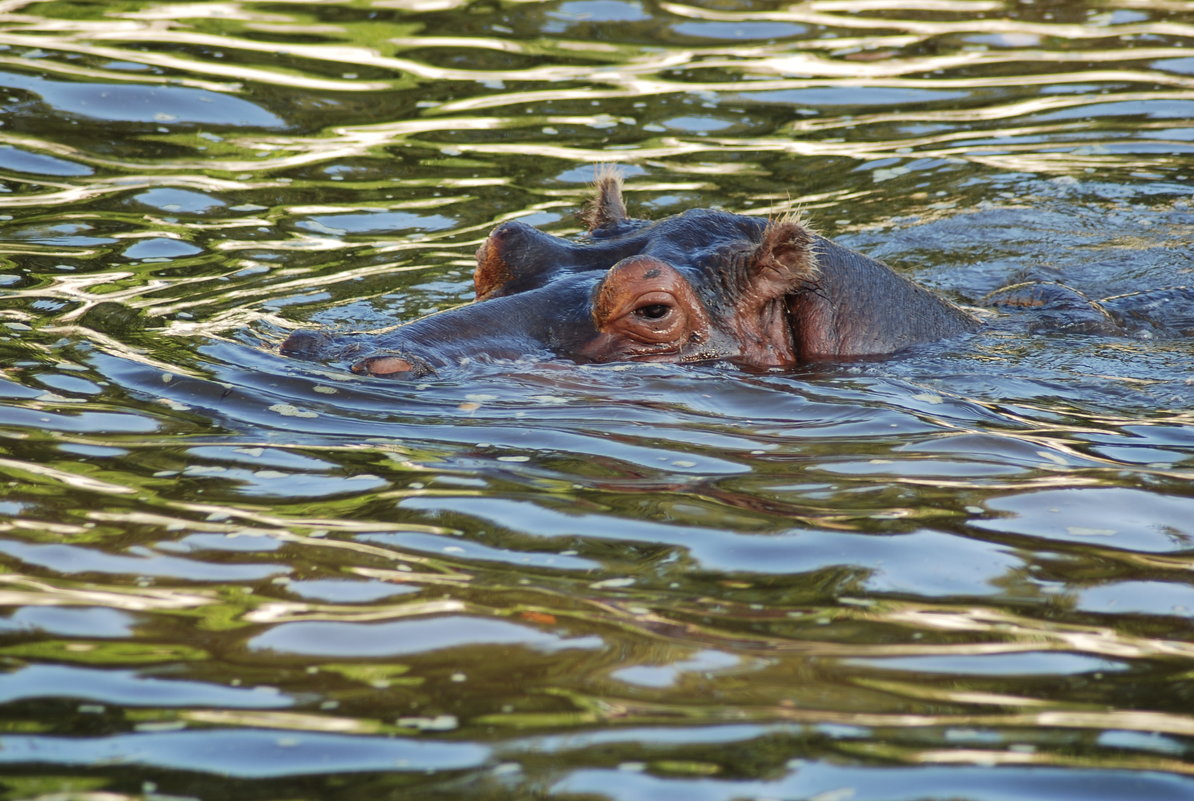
point(386, 365)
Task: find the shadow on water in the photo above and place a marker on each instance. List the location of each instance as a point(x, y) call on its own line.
point(963, 572)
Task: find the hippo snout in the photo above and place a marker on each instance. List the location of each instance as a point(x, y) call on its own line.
point(305, 344)
point(322, 346)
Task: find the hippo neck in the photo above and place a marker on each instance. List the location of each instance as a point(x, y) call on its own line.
point(860, 307)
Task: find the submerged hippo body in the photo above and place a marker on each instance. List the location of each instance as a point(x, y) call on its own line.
point(699, 286)
point(1058, 308)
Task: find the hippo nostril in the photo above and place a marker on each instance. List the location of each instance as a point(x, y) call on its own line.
point(391, 365)
point(388, 365)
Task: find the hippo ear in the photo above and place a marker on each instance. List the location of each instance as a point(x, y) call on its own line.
point(606, 209)
point(516, 257)
point(782, 263)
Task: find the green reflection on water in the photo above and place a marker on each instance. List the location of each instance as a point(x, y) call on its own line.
point(770, 577)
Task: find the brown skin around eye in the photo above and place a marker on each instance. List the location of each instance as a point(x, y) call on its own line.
point(645, 310)
point(655, 317)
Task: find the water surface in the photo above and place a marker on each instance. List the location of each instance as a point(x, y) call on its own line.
point(960, 573)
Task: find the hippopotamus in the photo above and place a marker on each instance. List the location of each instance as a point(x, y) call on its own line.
point(700, 286)
point(1059, 308)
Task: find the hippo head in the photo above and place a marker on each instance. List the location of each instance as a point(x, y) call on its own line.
point(698, 286)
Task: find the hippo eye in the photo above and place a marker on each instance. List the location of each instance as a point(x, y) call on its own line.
point(655, 311)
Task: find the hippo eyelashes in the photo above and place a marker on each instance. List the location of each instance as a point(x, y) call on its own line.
point(697, 286)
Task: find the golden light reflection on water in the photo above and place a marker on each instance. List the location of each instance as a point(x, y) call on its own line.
point(37, 592)
point(814, 13)
point(832, 545)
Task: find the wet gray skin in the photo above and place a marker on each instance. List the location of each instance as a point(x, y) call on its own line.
point(699, 286)
point(506, 327)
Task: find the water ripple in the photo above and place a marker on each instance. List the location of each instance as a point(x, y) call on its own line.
point(965, 569)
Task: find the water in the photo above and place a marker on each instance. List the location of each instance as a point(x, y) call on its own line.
point(962, 573)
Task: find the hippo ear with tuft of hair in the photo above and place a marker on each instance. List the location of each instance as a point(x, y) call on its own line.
point(784, 260)
point(606, 210)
